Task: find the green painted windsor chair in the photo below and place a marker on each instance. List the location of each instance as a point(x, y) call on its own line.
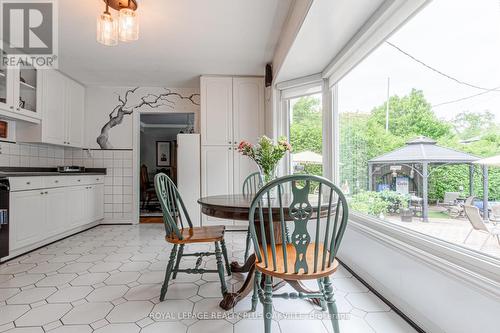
point(175, 214)
point(319, 220)
point(251, 186)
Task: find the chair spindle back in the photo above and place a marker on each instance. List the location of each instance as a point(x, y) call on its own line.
point(173, 208)
point(317, 217)
point(252, 184)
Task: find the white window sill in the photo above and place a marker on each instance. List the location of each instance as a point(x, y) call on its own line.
point(473, 267)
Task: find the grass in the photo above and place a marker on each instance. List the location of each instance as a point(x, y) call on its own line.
point(438, 215)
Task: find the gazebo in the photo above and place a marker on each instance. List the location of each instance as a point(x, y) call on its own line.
point(424, 152)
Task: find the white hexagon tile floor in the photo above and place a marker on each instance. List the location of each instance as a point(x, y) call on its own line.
point(107, 279)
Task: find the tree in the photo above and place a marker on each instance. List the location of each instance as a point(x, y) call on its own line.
point(469, 125)
point(306, 126)
point(409, 116)
point(124, 109)
point(306, 129)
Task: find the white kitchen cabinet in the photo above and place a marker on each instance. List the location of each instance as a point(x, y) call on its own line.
point(43, 210)
point(232, 110)
point(6, 96)
point(77, 196)
point(56, 210)
point(53, 128)
point(62, 105)
point(242, 167)
point(217, 111)
point(27, 218)
point(248, 109)
point(216, 174)
point(94, 197)
point(249, 125)
point(75, 108)
point(20, 94)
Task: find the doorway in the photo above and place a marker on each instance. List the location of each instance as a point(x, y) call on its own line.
point(158, 154)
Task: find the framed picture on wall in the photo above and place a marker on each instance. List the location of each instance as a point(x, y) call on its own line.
point(163, 153)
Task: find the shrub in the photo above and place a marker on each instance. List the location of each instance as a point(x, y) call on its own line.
point(376, 203)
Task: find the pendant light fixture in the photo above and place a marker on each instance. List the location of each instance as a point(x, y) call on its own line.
point(126, 29)
point(128, 24)
point(107, 29)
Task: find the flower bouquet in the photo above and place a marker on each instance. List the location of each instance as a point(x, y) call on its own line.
point(266, 154)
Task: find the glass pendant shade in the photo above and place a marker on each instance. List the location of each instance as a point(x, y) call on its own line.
point(107, 30)
point(128, 25)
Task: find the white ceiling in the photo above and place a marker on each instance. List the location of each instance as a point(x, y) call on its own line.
point(327, 28)
point(179, 40)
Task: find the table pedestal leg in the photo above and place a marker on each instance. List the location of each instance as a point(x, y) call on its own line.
point(231, 299)
point(237, 268)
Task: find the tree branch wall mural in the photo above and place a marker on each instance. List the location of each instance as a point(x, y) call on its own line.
point(131, 101)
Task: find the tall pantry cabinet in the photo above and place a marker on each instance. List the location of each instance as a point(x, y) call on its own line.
point(232, 110)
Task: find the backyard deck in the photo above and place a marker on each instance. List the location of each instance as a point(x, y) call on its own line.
point(451, 230)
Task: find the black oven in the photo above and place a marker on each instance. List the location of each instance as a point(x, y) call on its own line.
point(4, 217)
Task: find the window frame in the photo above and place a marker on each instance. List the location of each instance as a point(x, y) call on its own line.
point(479, 270)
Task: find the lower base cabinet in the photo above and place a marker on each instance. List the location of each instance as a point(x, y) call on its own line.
point(27, 215)
point(40, 215)
point(77, 197)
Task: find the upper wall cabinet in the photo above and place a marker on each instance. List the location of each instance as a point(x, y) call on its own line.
point(232, 109)
point(217, 111)
point(20, 94)
point(62, 107)
point(248, 109)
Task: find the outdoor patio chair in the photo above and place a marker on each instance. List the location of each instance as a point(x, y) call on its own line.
point(319, 221)
point(469, 201)
point(450, 199)
point(173, 211)
point(495, 214)
point(475, 219)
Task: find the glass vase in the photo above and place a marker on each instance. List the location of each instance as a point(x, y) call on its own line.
point(268, 177)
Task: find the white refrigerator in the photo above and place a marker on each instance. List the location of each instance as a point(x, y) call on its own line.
point(189, 174)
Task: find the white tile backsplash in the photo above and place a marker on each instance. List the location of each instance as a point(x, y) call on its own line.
point(30, 155)
point(117, 183)
point(118, 192)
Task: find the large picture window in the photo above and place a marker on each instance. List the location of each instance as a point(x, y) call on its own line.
point(306, 134)
point(416, 116)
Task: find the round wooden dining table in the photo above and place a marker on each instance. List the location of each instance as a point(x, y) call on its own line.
point(237, 207)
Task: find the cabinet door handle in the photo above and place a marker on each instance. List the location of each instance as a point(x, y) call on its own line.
point(46, 192)
point(27, 183)
point(79, 180)
point(11, 107)
point(56, 181)
point(41, 193)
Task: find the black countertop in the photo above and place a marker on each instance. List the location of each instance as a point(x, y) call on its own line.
point(30, 172)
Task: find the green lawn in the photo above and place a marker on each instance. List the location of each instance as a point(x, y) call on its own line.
point(438, 215)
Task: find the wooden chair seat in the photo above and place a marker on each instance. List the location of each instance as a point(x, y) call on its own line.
point(279, 272)
point(198, 235)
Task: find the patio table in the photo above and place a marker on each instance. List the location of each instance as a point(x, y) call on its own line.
point(237, 207)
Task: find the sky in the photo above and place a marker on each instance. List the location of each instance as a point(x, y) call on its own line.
point(458, 37)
